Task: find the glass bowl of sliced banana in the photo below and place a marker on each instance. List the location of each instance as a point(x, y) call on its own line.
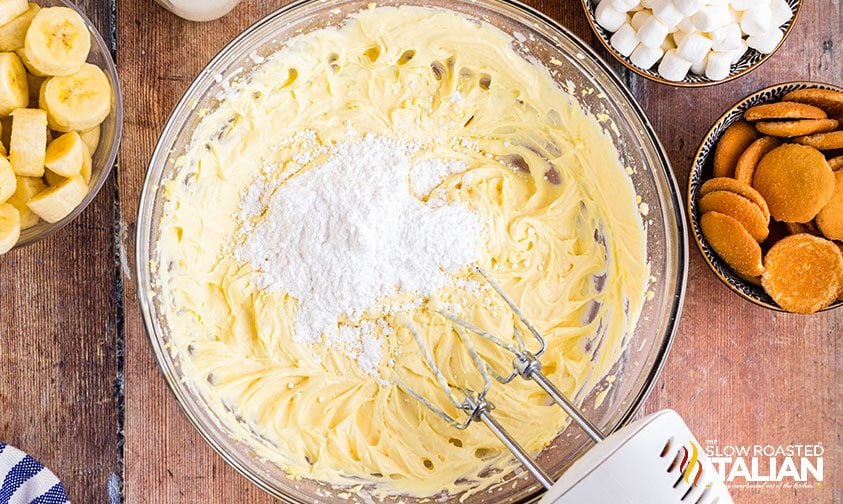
point(61, 116)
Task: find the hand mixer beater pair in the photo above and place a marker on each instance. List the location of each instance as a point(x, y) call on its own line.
point(654, 460)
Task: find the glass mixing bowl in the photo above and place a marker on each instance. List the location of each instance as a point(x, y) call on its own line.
point(110, 129)
point(614, 401)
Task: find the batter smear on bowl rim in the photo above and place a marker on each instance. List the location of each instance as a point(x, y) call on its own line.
point(355, 177)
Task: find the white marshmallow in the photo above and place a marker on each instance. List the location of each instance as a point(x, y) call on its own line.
point(781, 12)
point(742, 5)
point(699, 67)
point(738, 53)
point(669, 15)
point(609, 18)
point(694, 47)
point(652, 33)
point(624, 40)
point(727, 38)
point(718, 66)
point(678, 37)
point(757, 20)
point(712, 17)
point(639, 19)
point(673, 67)
point(687, 25)
point(653, 4)
point(766, 43)
point(622, 5)
point(689, 7)
point(645, 57)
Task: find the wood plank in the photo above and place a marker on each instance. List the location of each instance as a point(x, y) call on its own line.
point(166, 460)
point(729, 350)
point(58, 339)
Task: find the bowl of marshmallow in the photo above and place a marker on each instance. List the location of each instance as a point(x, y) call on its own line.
point(692, 43)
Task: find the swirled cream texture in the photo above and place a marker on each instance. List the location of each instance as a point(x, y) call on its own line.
point(562, 236)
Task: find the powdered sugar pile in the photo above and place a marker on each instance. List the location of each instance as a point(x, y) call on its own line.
point(427, 174)
point(342, 236)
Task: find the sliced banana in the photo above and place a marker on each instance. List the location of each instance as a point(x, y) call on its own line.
point(14, 88)
point(57, 42)
point(85, 172)
point(27, 188)
point(91, 138)
point(87, 166)
point(10, 9)
point(56, 202)
point(8, 183)
point(13, 33)
point(26, 64)
point(28, 143)
point(65, 154)
point(9, 227)
point(77, 102)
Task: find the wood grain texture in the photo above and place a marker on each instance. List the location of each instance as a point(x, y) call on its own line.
point(166, 460)
point(58, 341)
point(738, 373)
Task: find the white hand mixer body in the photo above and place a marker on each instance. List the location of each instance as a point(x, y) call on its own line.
point(653, 460)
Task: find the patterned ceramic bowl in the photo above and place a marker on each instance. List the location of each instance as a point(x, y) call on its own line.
point(749, 62)
point(702, 170)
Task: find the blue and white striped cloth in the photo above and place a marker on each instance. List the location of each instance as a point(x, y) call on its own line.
point(23, 480)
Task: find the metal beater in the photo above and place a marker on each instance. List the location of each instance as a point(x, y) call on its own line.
point(634, 459)
point(525, 364)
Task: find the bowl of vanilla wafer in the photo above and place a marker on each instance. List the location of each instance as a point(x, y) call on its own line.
point(60, 117)
point(765, 197)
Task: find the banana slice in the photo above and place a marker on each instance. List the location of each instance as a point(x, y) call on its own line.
point(9, 227)
point(28, 144)
point(27, 188)
point(65, 155)
point(57, 42)
point(77, 102)
point(56, 203)
point(13, 33)
point(14, 89)
point(87, 166)
point(85, 172)
point(8, 184)
point(26, 64)
point(10, 9)
point(91, 138)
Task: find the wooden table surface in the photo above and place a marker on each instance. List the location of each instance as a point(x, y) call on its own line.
point(82, 393)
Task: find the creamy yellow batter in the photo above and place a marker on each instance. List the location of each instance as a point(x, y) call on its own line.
point(564, 240)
